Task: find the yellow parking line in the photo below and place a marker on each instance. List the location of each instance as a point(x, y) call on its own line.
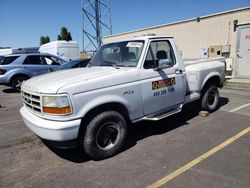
point(198, 159)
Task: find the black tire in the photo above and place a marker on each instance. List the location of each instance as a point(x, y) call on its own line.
point(104, 136)
point(210, 98)
point(17, 82)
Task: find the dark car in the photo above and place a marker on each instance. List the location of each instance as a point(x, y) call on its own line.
point(78, 63)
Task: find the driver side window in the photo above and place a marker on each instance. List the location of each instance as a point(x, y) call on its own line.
point(158, 50)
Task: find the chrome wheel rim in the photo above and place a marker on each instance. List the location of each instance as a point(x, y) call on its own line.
point(18, 84)
point(212, 99)
point(108, 136)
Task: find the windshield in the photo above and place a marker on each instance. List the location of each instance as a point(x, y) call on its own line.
point(68, 65)
point(120, 54)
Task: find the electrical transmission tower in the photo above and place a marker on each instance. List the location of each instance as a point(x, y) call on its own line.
point(96, 18)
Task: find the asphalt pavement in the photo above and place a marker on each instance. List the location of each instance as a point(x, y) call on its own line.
point(172, 151)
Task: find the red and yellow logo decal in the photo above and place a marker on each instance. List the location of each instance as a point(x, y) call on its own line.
point(163, 83)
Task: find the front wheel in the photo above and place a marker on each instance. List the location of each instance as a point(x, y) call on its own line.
point(17, 82)
point(210, 98)
point(104, 136)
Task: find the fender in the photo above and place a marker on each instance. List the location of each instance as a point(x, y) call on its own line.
point(210, 75)
point(133, 111)
point(14, 72)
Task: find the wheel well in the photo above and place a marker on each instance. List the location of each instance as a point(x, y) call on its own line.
point(213, 80)
point(18, 75)
point(105, 107)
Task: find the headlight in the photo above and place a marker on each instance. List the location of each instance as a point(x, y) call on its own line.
point(56, 105)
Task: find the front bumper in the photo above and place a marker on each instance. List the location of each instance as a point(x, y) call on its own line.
point(51, 130)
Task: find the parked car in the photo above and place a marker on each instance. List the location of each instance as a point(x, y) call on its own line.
point(78, 63)
point(16, 68)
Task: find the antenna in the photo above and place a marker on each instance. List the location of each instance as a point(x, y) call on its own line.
point(96, 22)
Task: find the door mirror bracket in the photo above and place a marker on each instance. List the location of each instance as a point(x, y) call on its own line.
point(164, 63)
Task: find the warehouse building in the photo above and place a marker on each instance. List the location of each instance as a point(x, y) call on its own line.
point(222, 34)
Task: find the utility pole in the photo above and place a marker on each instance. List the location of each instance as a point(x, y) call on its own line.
point(96, 20)
point(97, 15)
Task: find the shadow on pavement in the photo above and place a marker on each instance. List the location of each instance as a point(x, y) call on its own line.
point(73, 154)
point(10, 90)
point(145, 129)
point(222, 102)
point(142, 130)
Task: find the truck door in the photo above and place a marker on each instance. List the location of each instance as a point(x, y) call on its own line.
point(162, 89)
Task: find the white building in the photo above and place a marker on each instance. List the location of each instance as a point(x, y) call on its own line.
point(222, 34)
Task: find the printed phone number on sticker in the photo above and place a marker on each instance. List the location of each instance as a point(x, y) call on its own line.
point(163, 92)
point(159, 93)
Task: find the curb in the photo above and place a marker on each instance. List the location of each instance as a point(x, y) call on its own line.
point(237, 85)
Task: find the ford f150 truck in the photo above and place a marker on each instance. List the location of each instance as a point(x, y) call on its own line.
point(143, 78)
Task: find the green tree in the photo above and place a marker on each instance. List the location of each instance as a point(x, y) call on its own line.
point(69, 36)
point(44, 40)
point(59, 37)
point(47, 39)
point(65, 35)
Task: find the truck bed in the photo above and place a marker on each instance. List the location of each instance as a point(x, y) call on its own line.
point(197, 61)
point(197, 71)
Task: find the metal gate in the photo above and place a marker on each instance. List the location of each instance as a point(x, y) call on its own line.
point(243, 52)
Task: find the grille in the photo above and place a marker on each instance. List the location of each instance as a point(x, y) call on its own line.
point(32, 101)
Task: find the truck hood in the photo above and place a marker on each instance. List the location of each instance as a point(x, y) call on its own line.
point(52, 82)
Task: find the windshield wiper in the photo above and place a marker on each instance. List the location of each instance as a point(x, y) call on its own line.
point(110, 63)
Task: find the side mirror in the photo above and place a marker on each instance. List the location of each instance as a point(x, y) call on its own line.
point(164, 63)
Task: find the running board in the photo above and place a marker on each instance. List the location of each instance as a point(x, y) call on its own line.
point(162, 116)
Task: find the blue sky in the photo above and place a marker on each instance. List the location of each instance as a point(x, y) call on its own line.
point(22, 22)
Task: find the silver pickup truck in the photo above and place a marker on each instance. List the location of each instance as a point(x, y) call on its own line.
point(142, 78)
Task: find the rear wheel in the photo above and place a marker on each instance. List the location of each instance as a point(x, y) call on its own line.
point(210, 98)
point(17, 82)
point(104, 136)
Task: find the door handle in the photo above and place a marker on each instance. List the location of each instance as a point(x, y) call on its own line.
point(177, 71)
point(239, 55)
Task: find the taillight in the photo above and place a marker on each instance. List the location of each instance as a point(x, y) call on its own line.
point(2, 72)
point(225, 66)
